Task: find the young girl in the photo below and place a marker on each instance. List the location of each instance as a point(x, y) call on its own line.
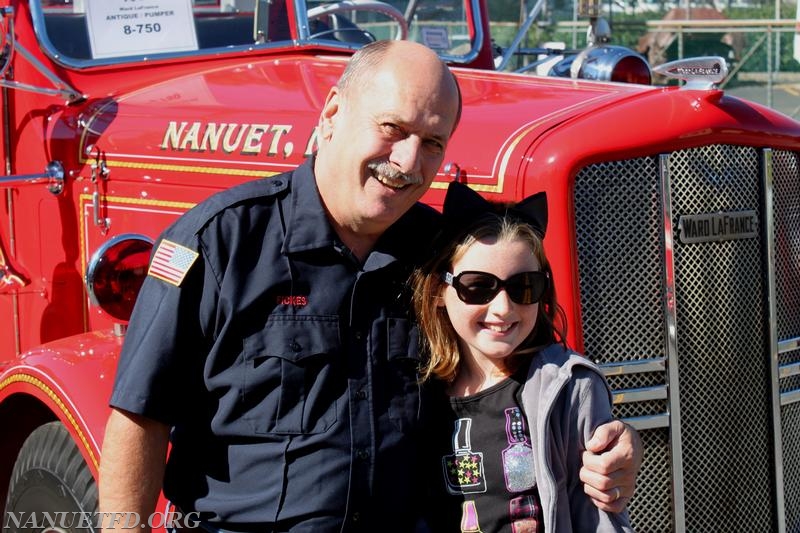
point(509, 407)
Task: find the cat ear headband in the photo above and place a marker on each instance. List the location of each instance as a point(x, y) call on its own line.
point(463, 207)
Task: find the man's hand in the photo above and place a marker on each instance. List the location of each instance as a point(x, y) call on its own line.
point(610, 463)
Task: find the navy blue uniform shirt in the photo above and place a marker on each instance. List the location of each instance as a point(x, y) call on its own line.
point(287, 369)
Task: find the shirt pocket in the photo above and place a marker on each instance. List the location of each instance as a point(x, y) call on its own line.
point(290, 379)
point(403, 363)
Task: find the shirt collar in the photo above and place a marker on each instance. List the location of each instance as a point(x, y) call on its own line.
point(307, 227)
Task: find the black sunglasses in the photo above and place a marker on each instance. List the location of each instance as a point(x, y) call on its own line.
point(478, 288)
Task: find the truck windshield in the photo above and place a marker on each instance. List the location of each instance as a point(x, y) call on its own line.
point(93, 32)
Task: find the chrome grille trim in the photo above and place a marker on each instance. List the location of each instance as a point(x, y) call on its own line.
point(788, 345)
point(772, 333)
point(671, 343)
point(643, 394)
point(641, 423)
point(790, 397)
point(640, 395)
point(789, 370)
point(633, 367)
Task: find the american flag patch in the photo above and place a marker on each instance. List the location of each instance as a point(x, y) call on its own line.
point(171, 262)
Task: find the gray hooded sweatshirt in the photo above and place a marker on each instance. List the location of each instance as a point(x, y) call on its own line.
point(565, 398)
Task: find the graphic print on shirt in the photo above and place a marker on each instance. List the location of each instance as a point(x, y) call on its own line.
point(469, 518)
point(463, 470)
point(523, 511)
point(518, 456)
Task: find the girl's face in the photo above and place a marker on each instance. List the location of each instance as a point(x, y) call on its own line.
point(488, 333)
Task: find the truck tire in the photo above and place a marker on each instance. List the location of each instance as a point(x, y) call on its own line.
point(50, 476)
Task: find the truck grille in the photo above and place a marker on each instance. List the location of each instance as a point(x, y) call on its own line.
point(701, 391)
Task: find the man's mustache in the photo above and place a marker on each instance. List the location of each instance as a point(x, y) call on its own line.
point(386, 169)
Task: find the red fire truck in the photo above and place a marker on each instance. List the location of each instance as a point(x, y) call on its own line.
point(674, 227)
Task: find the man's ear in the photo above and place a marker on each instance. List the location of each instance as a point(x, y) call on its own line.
point(329, 111)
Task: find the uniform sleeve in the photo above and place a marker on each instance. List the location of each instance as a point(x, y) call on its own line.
point(160, 369)
point(590, 408)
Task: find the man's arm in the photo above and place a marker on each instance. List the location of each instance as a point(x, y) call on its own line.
point(610, 463)
point(132, 465)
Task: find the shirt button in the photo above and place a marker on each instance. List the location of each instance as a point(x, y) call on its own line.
point(362, 454)
point(295, 346)
point(356, 516)
point(361, 395)
point(358, 335)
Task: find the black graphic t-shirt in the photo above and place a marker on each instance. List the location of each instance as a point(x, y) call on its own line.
point(478, 462)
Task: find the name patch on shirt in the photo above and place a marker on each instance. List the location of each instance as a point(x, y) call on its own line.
point(171, 262)
point(296, 301)
point(292, 293)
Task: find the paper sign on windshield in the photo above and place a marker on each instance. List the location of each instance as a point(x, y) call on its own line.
point(139, 27)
